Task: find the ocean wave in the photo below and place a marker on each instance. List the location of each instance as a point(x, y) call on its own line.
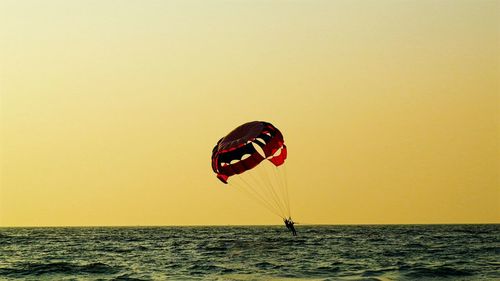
point(267, 265)
point(202, 269)
point(127, 277)
point(377, 272)
point(440, 271)
point(57, 268)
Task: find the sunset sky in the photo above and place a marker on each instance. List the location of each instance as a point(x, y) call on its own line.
point(110, 109)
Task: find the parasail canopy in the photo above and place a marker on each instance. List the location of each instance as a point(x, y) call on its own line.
point(246, 147)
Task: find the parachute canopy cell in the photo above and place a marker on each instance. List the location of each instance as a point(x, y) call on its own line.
point(236, 153)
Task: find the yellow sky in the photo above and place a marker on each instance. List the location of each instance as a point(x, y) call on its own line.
point(110, 109)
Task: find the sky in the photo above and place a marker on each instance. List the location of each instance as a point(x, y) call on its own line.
point(110, 109)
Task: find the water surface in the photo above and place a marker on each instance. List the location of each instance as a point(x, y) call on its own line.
point(392, 252)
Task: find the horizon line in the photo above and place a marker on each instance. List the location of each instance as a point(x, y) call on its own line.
point(243, 225)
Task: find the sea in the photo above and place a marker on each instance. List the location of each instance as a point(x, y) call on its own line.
point(319, 252)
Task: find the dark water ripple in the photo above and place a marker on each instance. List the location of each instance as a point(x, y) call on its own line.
point(22, 269)
point(409, 252)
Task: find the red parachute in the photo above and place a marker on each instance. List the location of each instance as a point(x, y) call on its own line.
point(236, 152)
point(242, 153)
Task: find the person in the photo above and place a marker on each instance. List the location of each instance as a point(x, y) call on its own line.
point(289, 225)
